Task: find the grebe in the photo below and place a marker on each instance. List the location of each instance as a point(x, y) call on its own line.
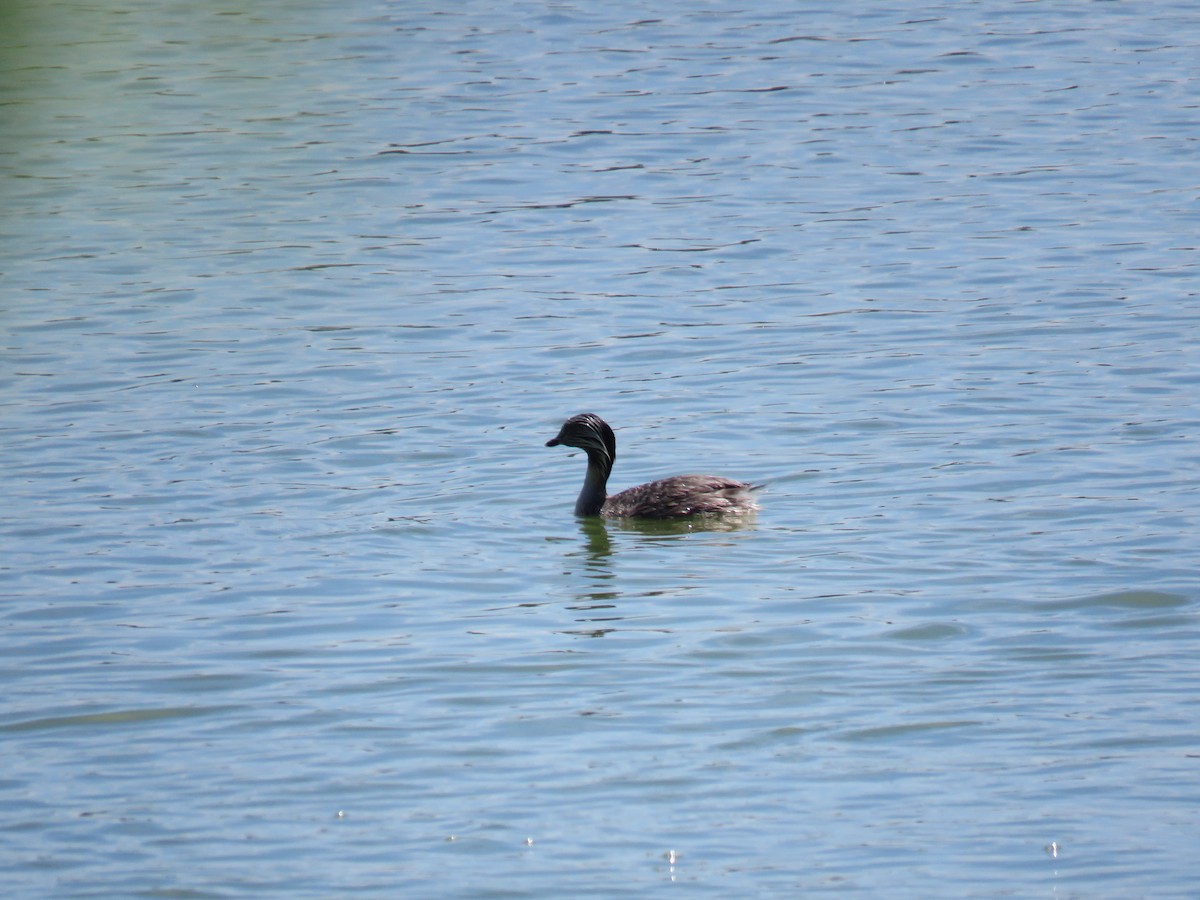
point(670, 498)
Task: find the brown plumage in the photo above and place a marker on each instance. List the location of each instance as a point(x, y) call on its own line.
point(670, 498)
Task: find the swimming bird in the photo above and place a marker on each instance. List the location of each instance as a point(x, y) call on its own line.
point(670, 498)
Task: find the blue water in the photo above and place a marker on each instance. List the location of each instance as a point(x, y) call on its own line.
point(293, 602)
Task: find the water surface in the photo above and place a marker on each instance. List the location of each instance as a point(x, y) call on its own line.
point(293, 600)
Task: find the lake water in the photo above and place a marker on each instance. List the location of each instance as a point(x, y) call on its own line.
point(294, 602)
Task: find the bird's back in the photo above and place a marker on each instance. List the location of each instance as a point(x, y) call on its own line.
point(682, 495)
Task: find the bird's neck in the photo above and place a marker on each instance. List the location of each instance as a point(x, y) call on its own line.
point(595, 486)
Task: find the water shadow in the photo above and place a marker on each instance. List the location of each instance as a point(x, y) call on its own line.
point(592, 561)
